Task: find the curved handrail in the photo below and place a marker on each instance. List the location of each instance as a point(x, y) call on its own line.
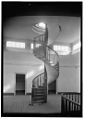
point(52, 59)
point(39, 75)
point(46, 54)
point(36, 78)
point(39, 36)
point(53, 51)
point(49, 51)
point(39, 31)
point(45, 43)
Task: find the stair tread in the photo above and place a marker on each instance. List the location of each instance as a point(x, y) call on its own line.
point(38, 98)
point(39, 87)
point(39, 91)
point(39, 101)
point(39, 94)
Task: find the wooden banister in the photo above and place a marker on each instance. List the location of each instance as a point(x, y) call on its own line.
point(70, 100)
point(70, 106)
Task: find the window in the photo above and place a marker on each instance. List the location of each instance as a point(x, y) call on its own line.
point(13, 44)
point(62, 50)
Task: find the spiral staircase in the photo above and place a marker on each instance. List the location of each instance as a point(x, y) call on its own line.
point(51, 68)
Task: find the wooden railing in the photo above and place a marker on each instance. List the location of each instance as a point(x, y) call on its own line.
point(71, 104)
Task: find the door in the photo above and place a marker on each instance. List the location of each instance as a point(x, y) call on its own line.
point(20, 84)
point(52, 88)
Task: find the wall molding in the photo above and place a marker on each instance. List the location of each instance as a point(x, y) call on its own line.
point(68, 92)
point(25, 64)
point(13, 94)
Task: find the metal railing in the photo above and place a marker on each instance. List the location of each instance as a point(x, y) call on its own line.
point(43, 52)
point(38, 81)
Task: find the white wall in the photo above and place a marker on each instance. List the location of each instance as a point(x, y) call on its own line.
point(69, 74)
point(68, 80)
point(17, 62)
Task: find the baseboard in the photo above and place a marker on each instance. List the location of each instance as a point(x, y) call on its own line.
point(14, 94)
point(48, 94)
point(8, 94)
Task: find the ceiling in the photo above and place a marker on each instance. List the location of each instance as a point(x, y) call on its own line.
point(41, 8)
point(21, 28)
point(18, 24)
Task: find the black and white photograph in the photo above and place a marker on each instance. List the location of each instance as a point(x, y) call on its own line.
point(41, 53)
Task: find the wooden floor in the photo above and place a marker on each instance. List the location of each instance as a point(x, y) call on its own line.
point(20, 104)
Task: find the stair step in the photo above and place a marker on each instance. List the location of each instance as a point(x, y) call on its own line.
point(38, 97)
point(35, 94)
point(39, 94)
point(35, 99)
point(39, 87)
point(38, 101)
point(38, 90)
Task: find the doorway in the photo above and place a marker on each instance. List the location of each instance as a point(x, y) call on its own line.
point(52, 88)
point(20, 84)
